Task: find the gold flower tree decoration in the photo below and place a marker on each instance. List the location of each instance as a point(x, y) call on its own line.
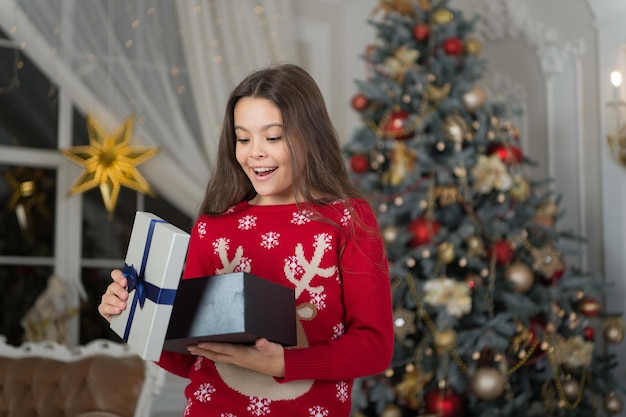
point(110, 162)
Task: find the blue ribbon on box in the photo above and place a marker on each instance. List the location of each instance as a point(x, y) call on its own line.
point(137, 281)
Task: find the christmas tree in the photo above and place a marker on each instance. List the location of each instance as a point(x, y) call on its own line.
point(490, 317)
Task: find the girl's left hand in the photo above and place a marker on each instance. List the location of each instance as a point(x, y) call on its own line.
point(264, 356)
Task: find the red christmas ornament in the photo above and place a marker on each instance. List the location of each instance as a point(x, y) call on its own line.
point(557, 275)
point(423, 231)
point(537, 329)
point(508, 154)
point(453, 46)
point(502, 251)
point(360, 163)
point(589, 333)
point(589, 307)
point(421, 31)
point(443, 403)
point(360, 102)
point(396, 125)
point(369, 51)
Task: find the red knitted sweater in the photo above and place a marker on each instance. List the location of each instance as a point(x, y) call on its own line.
point(339, 272)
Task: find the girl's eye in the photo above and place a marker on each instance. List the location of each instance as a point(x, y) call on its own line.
point(274, 139)
point(243, 140)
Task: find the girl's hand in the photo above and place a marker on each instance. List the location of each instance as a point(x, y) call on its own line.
point(264, 356)
point(114, 299)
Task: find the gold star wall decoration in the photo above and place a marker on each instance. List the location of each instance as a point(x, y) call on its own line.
point(110, 162)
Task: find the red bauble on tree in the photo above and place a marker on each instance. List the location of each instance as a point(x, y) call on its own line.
point(556, 276)
point(503, 252)
point(589, 307)
point(537, 329)
point(423, 231)
point(443, 403)
point(508, 154)
point(421, 31)
point(589, 333)
point(453, 46)
point(369, 51)
point(396, 125)
point(360, 163)
point(360, 102)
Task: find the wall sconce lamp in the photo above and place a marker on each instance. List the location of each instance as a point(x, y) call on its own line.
point(617, 135)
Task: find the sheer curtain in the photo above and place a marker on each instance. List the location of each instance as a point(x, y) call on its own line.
point(170, 62)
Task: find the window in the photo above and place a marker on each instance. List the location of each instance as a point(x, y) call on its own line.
point(43, 230)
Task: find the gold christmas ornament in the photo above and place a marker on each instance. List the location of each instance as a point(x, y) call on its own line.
point(472, 46)
point(474, 99)
point(435, 93)
point(29, 186)
point(613, 328)
point(475, 246)
point(571, 388)
point(520, 190)
point(403, 60)
point(402, 162)
point(547, 260)
point(444, 340)
point(521, 276)
point(413, 382)
point(442, 16)
point(446, 252)
point(447, 195)
point(392, 410)
point(403, 322)
point(390, 233)
point(110, 162)
point(613, 404)
point(487, 383)
point(455, 128)
point(546, 214)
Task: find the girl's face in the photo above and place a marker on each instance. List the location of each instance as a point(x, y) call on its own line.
point(261, 150)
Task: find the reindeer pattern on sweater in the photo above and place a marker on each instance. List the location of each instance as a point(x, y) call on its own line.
point(291, 245)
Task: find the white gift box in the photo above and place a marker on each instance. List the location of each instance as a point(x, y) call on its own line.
point(154, 264)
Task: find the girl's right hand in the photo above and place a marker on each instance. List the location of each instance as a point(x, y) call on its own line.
point(114, 299)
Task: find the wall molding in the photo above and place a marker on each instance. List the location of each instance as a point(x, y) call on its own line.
point(560, 63)
point(509, 19)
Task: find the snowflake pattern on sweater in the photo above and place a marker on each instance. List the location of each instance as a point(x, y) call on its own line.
point(339, 273)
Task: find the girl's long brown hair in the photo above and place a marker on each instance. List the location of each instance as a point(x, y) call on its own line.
point(320, 174)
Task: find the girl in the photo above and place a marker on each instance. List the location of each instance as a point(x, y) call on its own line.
point(280, 205)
